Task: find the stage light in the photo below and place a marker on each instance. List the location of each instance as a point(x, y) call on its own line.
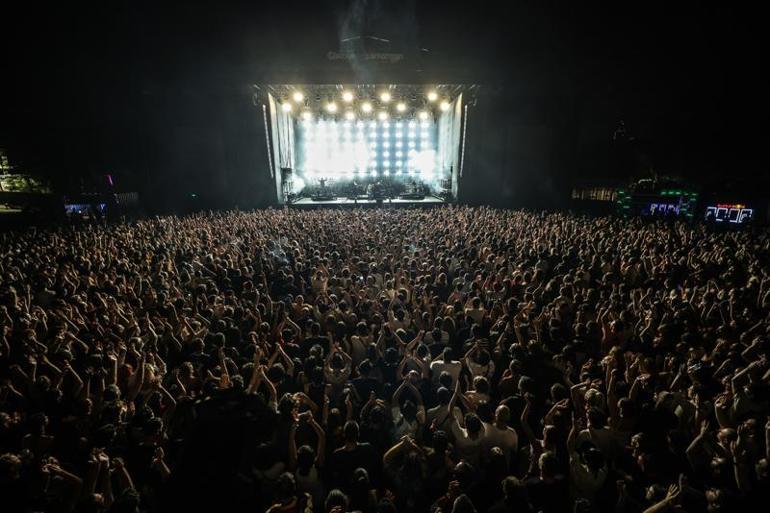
point(382, 116)
point(401, 107)
point(412, 124)
point(432, 96)
point(399, 154)
point(347, 96)
point(366, 107)
point(444, 105)
point(385, 97)
point(349, 115)
point(386, 173)
point(331, 107)
point(298, 97)
point(307, 116)
point(286, 107)
point(423, 115)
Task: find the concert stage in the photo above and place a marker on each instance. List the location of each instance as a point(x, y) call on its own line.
point(380, 139)
point(427, 201)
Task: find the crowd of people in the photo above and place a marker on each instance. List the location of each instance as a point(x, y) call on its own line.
point(453, 359)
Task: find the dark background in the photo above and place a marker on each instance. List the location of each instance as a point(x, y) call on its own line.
point(158, 93)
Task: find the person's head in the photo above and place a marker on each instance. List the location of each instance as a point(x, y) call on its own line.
point(440, 441)
point(473, 424)
point(305, 458)
point(548, 465)
point(526, 385)
point(512, 488)
point(365, 367)
point(351, 431)
point(717, 500)
point(447, 355)
point(443, 395)
point(463, 504)
point(10, 467)
point(445, 380)
point(288, 407)
point(336, 499)
point(596, 418)
point(285, 488)
point(593, 458)
point(502, 415)
point(481, 384)
point(359, 482)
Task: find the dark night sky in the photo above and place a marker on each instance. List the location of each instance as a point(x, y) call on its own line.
point(147, 89)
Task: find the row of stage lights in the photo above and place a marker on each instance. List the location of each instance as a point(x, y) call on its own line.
point(366, 106)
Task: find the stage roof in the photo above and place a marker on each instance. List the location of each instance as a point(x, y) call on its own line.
point(394, 97)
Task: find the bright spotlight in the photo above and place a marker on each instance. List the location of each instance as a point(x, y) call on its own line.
point(382, 116)
point(385, 97)
point(366, 107)
point(432, 96)
point(347, 96)
point(307, 116)
point(298, 97)
point(401, 107)
point(423, 115)
point(444, 105)
point(286, 107)
point(350, 116)
point(331, 107)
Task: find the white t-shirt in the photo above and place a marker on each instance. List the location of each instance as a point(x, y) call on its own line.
point(487, 370)
point(507, 439)
point(401, 426)
point(439, 366)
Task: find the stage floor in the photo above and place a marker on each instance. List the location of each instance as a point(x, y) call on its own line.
point(366, 202)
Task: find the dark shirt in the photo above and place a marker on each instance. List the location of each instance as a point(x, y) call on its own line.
point(344, 462)
point(549, 496)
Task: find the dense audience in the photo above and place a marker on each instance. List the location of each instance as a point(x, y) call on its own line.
point(454, 359)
